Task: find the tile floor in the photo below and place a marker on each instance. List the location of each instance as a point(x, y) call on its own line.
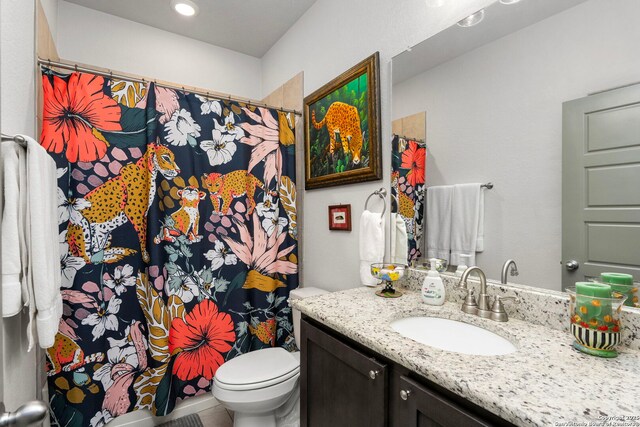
point(217, 416)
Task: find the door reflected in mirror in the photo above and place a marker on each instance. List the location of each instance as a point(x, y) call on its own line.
point(494, 96)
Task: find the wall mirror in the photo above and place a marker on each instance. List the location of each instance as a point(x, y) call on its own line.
point(496, 97)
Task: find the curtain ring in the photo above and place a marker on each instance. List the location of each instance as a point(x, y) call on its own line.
point(75, 66)
point(110, 75)
point(207, 95)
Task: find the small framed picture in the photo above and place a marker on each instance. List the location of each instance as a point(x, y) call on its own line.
point(340, 217)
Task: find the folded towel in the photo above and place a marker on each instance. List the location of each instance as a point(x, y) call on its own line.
point(38, 241)
point(399, 247)
point(465, 216)
point(371, 245)
point(439, 202)
point(480, 237)
point(44, 257)
point(14, 290)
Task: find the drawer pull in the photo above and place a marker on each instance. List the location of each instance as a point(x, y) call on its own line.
point(373, 374)
point(404, 394)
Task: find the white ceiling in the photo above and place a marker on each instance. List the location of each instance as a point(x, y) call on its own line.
point(246, 26)
point(499, 21)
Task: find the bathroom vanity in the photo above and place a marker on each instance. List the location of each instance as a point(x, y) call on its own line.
point(357, 371)
point(367, 389)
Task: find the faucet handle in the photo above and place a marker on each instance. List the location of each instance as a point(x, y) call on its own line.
point(497, 310)
point(469, 305)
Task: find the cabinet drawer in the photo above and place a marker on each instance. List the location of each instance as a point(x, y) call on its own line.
point(423, 407)
point(340, 386)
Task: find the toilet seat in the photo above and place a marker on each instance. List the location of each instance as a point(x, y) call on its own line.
point(258, 369)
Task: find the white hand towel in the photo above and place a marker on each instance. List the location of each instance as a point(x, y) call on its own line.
point(480, 238)
point(44, 273)
point(399, 241)
point(371, 245)
point(439, 202)
point(465, 214)
point(14, 294)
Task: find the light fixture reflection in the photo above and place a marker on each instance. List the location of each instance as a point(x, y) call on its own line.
point(472, 20)
point(509, 1)
point(434, 3)
point(185, 7)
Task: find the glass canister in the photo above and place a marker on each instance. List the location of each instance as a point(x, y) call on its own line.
point(425, 264)
point(622, 283)
point(595, 322)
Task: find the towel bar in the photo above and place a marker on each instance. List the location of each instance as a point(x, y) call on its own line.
point(16, 138)
point(382, 193)
point(488, 186)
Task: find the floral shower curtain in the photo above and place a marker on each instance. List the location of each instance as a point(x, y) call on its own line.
point(178, 241)
point(408, 160)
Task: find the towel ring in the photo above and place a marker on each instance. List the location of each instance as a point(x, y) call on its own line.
point(382, 193)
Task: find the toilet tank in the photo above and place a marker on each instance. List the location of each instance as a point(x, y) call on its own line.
point(302, 293)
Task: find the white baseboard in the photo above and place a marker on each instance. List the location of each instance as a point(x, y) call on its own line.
point(145, 419)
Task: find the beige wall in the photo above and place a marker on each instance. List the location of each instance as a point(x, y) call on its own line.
point(411, 127)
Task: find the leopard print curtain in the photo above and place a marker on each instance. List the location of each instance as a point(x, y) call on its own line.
point(408, 163)
point(178, 241)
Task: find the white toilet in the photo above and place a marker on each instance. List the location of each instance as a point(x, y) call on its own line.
point(261, 386)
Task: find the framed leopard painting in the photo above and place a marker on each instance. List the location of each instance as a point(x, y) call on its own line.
point(342, 128)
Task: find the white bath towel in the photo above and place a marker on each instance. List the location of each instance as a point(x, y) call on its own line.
point(465, 216)
point(439, 202)
point(44, 273)
point(371, 245)
point(399, 242)
point(14, 287)
point(480, 238)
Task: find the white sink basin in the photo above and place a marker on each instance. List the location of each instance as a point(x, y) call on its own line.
point(451, 335)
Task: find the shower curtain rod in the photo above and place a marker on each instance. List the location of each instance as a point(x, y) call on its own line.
point(418, 140)
point(122, 76)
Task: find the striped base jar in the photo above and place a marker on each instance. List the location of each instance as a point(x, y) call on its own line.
point(595, 342)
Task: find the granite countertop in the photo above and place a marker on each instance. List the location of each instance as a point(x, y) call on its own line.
point(545, 382)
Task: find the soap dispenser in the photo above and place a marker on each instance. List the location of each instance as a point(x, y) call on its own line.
point(433, 292)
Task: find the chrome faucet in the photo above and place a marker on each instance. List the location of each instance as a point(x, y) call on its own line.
point(469, 305)
point(505, 268)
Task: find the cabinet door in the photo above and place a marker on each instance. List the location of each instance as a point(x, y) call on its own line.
point(340, 386)
point(425, 408)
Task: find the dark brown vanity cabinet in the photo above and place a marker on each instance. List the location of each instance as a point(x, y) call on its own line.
point(346, 385)
point(418, 406)
point(339, 386)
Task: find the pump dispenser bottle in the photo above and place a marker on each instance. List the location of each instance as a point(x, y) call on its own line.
point(433, 291)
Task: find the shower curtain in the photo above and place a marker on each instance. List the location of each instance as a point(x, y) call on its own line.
point(178, 241)
point(408, 160)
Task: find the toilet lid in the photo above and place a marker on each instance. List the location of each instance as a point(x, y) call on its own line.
point(257, 367)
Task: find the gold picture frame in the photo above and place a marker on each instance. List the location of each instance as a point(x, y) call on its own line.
point(342, 128)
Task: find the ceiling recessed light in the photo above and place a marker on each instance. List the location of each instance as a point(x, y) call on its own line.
point(472, 20)
point(509, 1)
point(185, 7)
point(434, 3)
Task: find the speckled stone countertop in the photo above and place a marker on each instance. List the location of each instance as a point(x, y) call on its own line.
point(545, 382)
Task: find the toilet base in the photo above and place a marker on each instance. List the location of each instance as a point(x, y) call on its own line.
point(254, 420)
